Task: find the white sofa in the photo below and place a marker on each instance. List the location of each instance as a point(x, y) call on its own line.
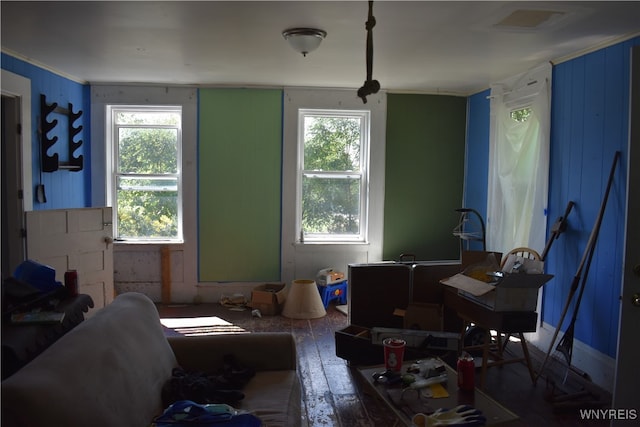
point(109, 372)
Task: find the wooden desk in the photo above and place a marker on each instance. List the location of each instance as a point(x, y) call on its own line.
point(503, 322)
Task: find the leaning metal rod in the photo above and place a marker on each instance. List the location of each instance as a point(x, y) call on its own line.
point(565, 346)
point(576, 279)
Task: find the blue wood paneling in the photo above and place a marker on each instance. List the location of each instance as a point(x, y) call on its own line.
point(64, 189)
point(589, 124)
point(477, 156)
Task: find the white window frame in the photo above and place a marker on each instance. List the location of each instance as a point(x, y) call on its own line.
point(301, 260)
point(111, 179)
point(363, 175)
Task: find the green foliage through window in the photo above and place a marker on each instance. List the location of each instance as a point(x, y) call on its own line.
point(332, 176)
point(521, 115)
point(146, 175)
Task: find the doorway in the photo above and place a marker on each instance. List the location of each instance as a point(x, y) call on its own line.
point(13, 247)
point(17, 193)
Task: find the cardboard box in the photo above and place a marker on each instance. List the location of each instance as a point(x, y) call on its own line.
point(515, 288)
point(513, 292)
point(422, 316)
point(268, 298)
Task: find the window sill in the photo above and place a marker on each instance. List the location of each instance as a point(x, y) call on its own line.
point(329, 243)
point(146, 244)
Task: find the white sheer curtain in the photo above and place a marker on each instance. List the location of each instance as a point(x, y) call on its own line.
point(519, 162)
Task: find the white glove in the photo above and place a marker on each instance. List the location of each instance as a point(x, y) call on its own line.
point(462, 415)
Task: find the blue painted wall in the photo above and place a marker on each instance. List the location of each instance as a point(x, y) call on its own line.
point(589, 123)
point(64, 188)
point(477, 156)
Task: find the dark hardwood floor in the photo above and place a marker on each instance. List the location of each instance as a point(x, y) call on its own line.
point(334, 395)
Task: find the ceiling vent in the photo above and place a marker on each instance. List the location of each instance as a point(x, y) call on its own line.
point(530, 19)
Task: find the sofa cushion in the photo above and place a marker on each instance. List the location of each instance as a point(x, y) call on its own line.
point(274, 392)
point(274, 396)
point(107, 372)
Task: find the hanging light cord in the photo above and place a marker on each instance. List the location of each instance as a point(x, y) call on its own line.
point(370, 86)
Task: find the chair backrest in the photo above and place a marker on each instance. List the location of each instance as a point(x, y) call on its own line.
point(523, 252)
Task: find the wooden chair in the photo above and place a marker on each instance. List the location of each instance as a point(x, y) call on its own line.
point(526, 253)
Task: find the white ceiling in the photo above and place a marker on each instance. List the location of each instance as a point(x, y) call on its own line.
point(420, 46)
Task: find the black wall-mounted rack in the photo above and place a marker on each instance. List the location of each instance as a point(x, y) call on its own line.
point(51, 163)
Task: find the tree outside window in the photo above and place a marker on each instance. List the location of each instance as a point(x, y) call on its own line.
point(333, 175)
point(146, 176)
point(521, 115)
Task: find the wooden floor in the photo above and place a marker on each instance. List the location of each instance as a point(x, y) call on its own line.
point(335, 396)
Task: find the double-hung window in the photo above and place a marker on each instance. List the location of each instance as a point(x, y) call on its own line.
point(145, 184)
point(333, 147)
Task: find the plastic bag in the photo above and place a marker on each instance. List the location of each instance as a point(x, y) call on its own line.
point(480, 270)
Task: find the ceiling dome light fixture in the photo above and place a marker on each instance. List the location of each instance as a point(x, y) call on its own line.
point(304, 40)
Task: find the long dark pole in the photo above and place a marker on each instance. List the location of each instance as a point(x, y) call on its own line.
point(588, 253)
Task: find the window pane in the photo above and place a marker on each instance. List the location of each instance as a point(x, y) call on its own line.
point(147, 150)
point(521, 115)
point(147, 208)
point(147, 118)
point(332, 143)
point(330, 205)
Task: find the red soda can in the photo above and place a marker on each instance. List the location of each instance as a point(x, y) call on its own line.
point(466, 372)
point(71, 282)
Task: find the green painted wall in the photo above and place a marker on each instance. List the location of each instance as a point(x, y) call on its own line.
point(239, 184)
point(424, 175)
